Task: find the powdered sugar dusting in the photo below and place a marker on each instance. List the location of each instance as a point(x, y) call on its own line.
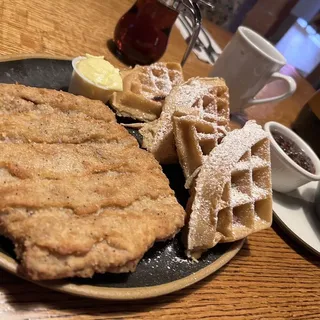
point(257, 162)
point(259, 193)
point(190, 94)
point(210, 136)
point(198, 97)
point(246, 188)
point(159, 80)
point(241, 166)
point(238, 198)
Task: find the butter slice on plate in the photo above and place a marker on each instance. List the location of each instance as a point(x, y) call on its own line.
point(94, 78)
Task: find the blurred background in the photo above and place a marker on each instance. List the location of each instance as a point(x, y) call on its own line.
point(293, 26)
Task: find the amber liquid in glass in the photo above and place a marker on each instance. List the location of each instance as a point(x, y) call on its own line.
point(141, 35)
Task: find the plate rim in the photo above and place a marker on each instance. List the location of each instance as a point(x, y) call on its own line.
point(25, 56)
point(291, 233)
point(106, 293)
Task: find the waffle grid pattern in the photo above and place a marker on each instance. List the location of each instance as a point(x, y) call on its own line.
point(195, 139)
point(144, 90)
point(201, 128)
point(156, 81)
point(245, 196)
point(231, 195)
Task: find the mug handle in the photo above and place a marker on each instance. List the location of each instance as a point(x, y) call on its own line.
point(292, 86)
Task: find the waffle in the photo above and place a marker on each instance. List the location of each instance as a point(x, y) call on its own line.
point(232, 197)
point(204, 98)
point(144, 90)
point(195, 138)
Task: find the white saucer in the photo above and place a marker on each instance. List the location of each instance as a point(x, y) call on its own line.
point(295, 212)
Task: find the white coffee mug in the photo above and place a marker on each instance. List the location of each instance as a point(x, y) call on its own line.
point(247, 64)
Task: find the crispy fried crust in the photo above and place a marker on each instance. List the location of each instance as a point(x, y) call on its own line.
point(77, 195)
point(18, 99)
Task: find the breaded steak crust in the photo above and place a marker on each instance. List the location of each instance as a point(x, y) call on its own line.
point(77, 194)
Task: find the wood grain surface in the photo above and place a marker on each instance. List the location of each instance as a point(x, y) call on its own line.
point(271, 278)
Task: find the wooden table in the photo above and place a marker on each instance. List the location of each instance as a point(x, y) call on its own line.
point(271, 278)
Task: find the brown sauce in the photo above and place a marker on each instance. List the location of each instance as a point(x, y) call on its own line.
point(294, 151)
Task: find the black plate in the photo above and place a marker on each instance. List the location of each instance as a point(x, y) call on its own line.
point(165, 262)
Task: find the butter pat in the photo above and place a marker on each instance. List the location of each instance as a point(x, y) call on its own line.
point(100, 72)
point(94, 78)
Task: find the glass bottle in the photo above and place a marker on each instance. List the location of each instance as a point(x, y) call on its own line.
point(141, 35)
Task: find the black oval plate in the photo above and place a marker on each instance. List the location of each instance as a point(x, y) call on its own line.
point(164, 267)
